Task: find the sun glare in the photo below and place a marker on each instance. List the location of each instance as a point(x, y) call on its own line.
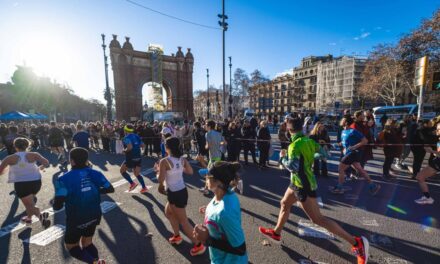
point(49, 55)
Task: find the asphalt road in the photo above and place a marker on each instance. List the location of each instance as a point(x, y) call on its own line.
point(135, 230)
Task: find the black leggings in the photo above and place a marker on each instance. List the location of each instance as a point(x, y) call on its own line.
point(419, 155)
point(387, 165)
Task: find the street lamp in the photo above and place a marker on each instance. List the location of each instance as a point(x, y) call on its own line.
point(107, 94)
point(208, 104)
point(224, 25)
point(230, 87)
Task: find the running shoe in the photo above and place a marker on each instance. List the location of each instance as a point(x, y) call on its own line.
point(424, 200)
point(99, 261)
point(175, 240)
point(270, 233)
point(204, 191)
point(361, 249)
point(198, 250)
point(26, 220)
point(132, 186)
point(374, 189)
point(45, 222)
point(337, 190)
point(144, 190)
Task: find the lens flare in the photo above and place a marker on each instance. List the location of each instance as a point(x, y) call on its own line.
point(396, 209)
point(429, 224)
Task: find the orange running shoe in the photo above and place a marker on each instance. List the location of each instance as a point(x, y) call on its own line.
point(270, 233)
point(132, 186)
point(175, 240)
point(198, 250)
point(361, 249)
point(144, 190)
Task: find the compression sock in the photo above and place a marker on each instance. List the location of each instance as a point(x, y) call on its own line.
point(92, 250)
point(81, 254)
point(141, 180)
point(127, 177)
point(426, 194)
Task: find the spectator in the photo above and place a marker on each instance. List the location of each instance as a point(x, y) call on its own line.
point(263, 143)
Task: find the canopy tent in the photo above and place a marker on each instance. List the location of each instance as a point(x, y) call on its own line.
point(14, 115)
point(37, 116)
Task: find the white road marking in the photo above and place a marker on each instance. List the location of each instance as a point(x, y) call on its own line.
point(119, 183)
point(395, 261)
point(47, 236)
point(306, 228)
point(351, 196)
point(318, 199)
point(369, 222)
point(19, 225)
point(380, 240)
point(107, 206)
point(308, 261)
point(147, 171)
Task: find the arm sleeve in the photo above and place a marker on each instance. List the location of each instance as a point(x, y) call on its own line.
point(225, 246)
point(234, 242)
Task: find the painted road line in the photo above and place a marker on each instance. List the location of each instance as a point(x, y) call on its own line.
point(369, 222)
point(346, 188)
point(107, 206)
point(395, 261)
point(19, 225)
point(138, 189)
point(147, 171)
point(47, 236)
point(119, 183)
point(309, 261)
point(307, 228)
point(351, 196)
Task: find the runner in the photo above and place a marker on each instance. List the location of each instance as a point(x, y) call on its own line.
point(171, 183)
point(222, 230)
point(133, 160)
point(351, 141)
point(302, 188)
point(80, 190)
point(432, 169)
point(25, 174)
point(214, 141)
point(56, 143)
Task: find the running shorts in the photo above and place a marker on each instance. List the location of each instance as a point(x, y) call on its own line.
point(133, 163)
point(352, 157)
point(75, 232)
point(23, 189)
point(302, 193)
point(178, 198)
point(435, 163)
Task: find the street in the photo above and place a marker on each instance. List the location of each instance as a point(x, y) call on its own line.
point(134, 229)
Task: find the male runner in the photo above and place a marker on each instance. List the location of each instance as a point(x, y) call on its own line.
point(352, 141)
point(56, 142)
point(133, 160)
point(432, 169)
point(302, 188)
point(80, 190)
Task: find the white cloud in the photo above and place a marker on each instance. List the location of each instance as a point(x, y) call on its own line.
point(378, 28)
point(362, 36)
point(332, 44)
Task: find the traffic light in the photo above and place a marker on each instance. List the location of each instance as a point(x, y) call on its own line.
point(436, 81)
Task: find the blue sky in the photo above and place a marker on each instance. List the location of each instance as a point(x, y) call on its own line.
point(61, 39)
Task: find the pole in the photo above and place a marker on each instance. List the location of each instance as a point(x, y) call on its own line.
point(224, 82)
point(208, 104)
point(230, 87)
point(107, 94)
point(420, 111)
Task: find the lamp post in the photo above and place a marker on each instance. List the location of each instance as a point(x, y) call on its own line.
point(208, 104)
point(224, 25)
point(107, 94)
point(230, 87)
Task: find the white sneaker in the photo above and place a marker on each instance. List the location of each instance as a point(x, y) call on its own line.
point(424, 200)
point(240, 186)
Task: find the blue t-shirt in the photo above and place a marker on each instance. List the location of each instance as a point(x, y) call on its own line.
point(350, 137)
point(136, 143)
point(82, 139)
point(223, 220)
point(83, 199)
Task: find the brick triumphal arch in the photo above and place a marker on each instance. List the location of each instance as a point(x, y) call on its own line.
point(132, 69)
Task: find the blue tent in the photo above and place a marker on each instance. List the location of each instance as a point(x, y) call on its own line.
point(37, 116)
point(14, 115)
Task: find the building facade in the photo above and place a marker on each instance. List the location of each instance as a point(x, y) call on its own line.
point(337, 83)
point(215, 102)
